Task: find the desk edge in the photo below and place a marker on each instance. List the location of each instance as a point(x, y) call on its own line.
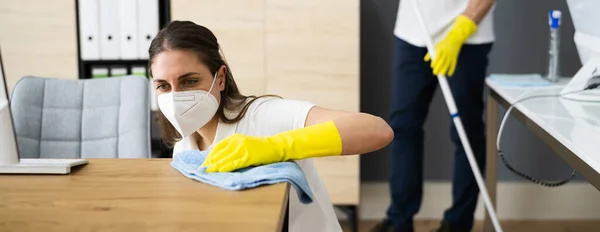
point(560, 149)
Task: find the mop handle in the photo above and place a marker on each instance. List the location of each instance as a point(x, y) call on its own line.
point(458, 124)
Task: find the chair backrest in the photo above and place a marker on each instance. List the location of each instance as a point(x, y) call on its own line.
point(91, 118)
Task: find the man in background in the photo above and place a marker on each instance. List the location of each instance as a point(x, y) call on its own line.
point(462, 31)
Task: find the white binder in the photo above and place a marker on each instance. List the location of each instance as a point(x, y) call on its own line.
point(138, 71)
point(147, 26)
point(109, 29)
point(128, 29)
point(89, 30)
point(99, 72)
point(118, 71)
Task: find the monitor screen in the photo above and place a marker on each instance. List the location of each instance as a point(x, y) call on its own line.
point(3, 87)
point(584, 14)
point(8, 145)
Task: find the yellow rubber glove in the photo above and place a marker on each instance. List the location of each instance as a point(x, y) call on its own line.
point(240, 151)
point(447, 50)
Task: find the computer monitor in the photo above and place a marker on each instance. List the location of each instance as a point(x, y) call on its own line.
point(10, 163)
point(8, 145)
point(584, 14)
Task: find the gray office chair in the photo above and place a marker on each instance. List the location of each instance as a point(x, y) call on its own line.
point(92, 118)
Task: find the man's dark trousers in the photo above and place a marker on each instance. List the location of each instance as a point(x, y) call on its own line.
point(413, 86)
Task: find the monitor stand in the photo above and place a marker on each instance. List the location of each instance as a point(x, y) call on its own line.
point(9, 156)
point(580, 81)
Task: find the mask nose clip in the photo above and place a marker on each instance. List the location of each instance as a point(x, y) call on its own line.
point(185, 98)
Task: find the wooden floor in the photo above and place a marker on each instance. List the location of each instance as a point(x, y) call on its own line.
point(507, 226)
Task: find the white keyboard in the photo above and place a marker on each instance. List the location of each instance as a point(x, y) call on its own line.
point(71, 162)
point(42, 166)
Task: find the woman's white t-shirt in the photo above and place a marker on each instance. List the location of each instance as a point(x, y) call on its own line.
point(269, 116)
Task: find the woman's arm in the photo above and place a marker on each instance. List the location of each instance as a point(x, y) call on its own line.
point(325, 133)
point(360, 132)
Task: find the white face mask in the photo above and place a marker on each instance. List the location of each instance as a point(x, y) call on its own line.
point(188, 111)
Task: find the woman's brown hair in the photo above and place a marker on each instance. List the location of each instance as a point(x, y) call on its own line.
point(191, 37)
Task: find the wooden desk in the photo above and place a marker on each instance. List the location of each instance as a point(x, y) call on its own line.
point(135, 195)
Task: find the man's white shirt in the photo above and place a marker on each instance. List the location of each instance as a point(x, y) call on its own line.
point(439, 15)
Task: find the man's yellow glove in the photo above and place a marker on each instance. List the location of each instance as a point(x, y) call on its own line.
point(240, 151)
point(447, 50)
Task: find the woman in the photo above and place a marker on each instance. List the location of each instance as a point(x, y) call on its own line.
point(202, 108)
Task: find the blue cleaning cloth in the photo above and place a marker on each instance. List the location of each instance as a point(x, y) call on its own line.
point(188, 163)
point(520, 80)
